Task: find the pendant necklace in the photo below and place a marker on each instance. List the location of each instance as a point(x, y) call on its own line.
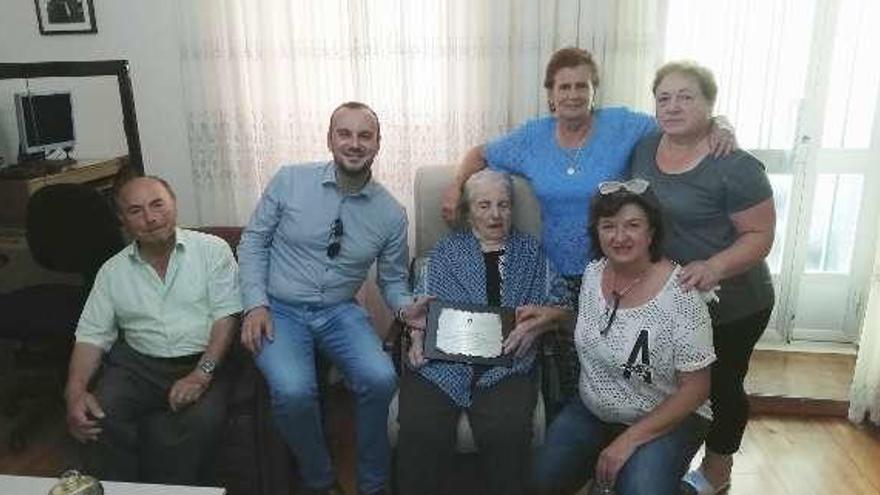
point(573, 161)
point(573, 165)
point(617, 295)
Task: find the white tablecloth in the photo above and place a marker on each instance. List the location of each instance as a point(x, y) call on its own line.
point(29, 485)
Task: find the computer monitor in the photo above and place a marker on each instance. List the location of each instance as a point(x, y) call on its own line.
point(45, 122)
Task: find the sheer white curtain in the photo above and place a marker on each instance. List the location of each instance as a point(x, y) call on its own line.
point(631, 52)
point(864, 400)
point(262, 76)
point(759, 51)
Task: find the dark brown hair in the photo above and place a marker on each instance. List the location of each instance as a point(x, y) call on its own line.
point(607, 205)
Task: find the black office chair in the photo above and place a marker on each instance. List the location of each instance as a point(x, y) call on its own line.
point(70, 228)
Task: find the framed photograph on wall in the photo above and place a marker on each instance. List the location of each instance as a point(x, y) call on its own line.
point(66, 16)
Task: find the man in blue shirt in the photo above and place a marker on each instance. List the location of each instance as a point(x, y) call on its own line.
point(315, 233)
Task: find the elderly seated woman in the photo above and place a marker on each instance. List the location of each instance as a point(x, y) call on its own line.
point(489, 264)
point(645, 346)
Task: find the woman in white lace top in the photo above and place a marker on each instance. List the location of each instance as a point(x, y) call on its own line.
point(645, 346)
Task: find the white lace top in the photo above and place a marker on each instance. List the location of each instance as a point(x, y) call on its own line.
point(630, 370)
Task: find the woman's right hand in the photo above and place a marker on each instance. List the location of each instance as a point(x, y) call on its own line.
point(699, 274)
point(416, 352)
point(474, 161)
point(451, 197)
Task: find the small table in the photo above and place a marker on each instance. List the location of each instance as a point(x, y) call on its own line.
point(30, 485)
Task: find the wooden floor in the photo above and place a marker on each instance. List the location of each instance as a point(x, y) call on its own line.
point(796, 456)
point(801, 374)
point(780, 455)
point(786, 455)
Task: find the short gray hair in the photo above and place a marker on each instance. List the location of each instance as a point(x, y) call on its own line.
point(701, 74)
point(485, 176)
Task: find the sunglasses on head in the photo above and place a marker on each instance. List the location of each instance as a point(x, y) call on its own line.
point(335, 238)
point(634, 186)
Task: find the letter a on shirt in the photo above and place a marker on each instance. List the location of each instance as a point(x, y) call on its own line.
point(643, 369)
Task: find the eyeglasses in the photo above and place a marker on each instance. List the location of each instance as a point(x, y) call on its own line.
point(335, 238)
point(635, 186)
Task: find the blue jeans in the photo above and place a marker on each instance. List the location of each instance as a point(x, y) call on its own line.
point(577, 437)
point(341, 332)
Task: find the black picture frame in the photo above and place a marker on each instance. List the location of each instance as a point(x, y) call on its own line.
point(66, 16)
point(508, 321)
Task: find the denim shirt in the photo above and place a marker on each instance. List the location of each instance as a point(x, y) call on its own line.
point(283, 250)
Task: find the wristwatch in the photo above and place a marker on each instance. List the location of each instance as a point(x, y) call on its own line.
point(208, 365)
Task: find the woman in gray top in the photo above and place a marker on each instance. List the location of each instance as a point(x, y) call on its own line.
point(719, 219)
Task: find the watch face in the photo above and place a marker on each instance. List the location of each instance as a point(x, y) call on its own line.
point(208, 366)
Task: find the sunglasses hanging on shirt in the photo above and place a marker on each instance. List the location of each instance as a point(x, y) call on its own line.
point(335, 241)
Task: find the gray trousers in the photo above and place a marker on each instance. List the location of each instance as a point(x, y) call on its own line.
point(142, 439)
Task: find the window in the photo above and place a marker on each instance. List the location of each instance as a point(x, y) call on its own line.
point(854, 76)
point(833, 223)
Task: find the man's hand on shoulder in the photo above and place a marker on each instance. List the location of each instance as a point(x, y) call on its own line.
point(188, 389)
point(257, 323)
point(83, 416)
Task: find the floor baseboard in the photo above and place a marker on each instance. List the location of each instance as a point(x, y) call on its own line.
point(797, 406)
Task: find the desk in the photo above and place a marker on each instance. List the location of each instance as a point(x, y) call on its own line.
point(29, 485)
point(15, 192)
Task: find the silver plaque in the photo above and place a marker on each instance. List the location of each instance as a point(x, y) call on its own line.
point(468, 333)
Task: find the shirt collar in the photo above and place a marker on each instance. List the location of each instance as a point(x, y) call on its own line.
point(329, 177)
point(180, 242)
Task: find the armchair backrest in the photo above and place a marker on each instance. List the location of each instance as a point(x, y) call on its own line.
point(432, 181)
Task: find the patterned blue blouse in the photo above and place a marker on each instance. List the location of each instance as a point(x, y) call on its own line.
point(533, 152)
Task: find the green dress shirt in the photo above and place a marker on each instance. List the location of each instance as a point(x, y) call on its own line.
point(163, 318)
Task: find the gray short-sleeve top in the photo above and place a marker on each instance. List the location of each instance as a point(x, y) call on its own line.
point(697, 206)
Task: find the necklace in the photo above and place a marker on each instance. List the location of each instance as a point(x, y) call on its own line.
point(617, 295)
point(573, 165)
point(573, 160)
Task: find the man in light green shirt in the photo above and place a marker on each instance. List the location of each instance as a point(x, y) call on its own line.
point(158, 322)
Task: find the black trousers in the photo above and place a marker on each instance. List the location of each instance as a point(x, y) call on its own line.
point(734, 342)
point(501, 420)
point(142, 439)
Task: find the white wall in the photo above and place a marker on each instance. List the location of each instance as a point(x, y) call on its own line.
point(145, 32)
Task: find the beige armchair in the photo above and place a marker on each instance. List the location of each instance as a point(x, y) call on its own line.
point(430, 182)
